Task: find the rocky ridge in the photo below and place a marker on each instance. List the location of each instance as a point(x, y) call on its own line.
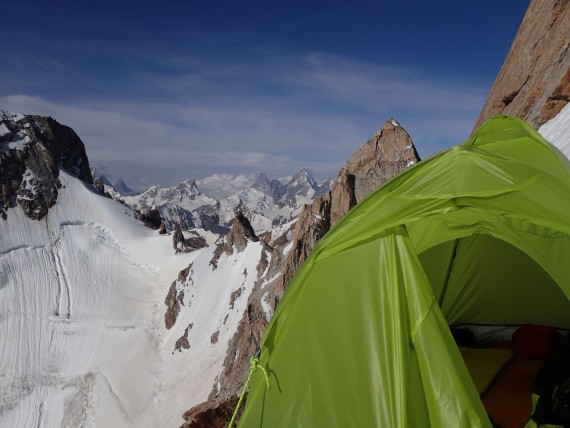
point(387, 153)
point(32, 150)
point(534, 81)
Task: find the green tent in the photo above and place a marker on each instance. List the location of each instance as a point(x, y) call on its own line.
point(477, 234)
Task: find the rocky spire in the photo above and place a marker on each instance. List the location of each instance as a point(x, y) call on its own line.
point(237, 238)
point(240, 234)
point(389, 152)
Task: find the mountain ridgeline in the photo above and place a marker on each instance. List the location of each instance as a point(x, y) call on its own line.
point(266, 203)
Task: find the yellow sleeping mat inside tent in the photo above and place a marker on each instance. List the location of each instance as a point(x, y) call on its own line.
point(484, 364)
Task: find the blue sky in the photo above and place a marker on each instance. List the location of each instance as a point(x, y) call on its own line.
point(163, 92)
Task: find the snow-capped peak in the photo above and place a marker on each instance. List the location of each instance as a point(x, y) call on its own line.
point(303, 177)
point(267, 186)
point(301, 189)
point(122, 187)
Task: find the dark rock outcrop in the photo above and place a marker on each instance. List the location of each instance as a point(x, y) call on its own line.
point(150, 219)
point(32, 151)
point(240, 234)
point(172, 303)
point(182, 244)
point(182, 342)
point(210, 220)
point(99, 185)
point(534, 82)
point(175, 298)
point(207, 416)
point(237, 238)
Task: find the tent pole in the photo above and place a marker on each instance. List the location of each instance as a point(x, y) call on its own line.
point(448, 274)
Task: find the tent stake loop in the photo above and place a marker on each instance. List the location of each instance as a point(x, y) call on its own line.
point(253, 366)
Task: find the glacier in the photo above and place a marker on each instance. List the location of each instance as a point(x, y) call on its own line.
point(82, 335)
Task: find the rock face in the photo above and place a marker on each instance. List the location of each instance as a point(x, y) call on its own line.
point(386, 154)
point(389, 152)
point(32, 150)
point(175, 298)
point(534, 82)
point(240, 234)
point(183, 244)
point(237, 238)
point(150, 219)
point(204, 416)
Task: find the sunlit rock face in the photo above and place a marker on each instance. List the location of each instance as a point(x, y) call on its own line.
point(534, 82)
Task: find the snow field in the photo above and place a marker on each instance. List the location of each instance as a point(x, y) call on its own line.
point(214, 314)
point(82, 335)
point(81, 309)
point(557, 130)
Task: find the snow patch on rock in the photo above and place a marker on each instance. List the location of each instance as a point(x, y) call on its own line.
point(557, 131)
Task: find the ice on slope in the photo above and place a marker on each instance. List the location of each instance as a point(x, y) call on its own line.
point(82, 336)
point(557, 130)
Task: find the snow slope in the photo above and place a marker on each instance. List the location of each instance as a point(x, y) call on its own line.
point(557, 130)
point(82, 336)
point(213, 304)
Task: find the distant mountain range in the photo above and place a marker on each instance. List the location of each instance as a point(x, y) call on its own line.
point(266, 202)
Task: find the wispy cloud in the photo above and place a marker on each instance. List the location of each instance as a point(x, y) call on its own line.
point(276, 113)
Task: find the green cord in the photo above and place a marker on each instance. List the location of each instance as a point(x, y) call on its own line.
point(253, 366)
